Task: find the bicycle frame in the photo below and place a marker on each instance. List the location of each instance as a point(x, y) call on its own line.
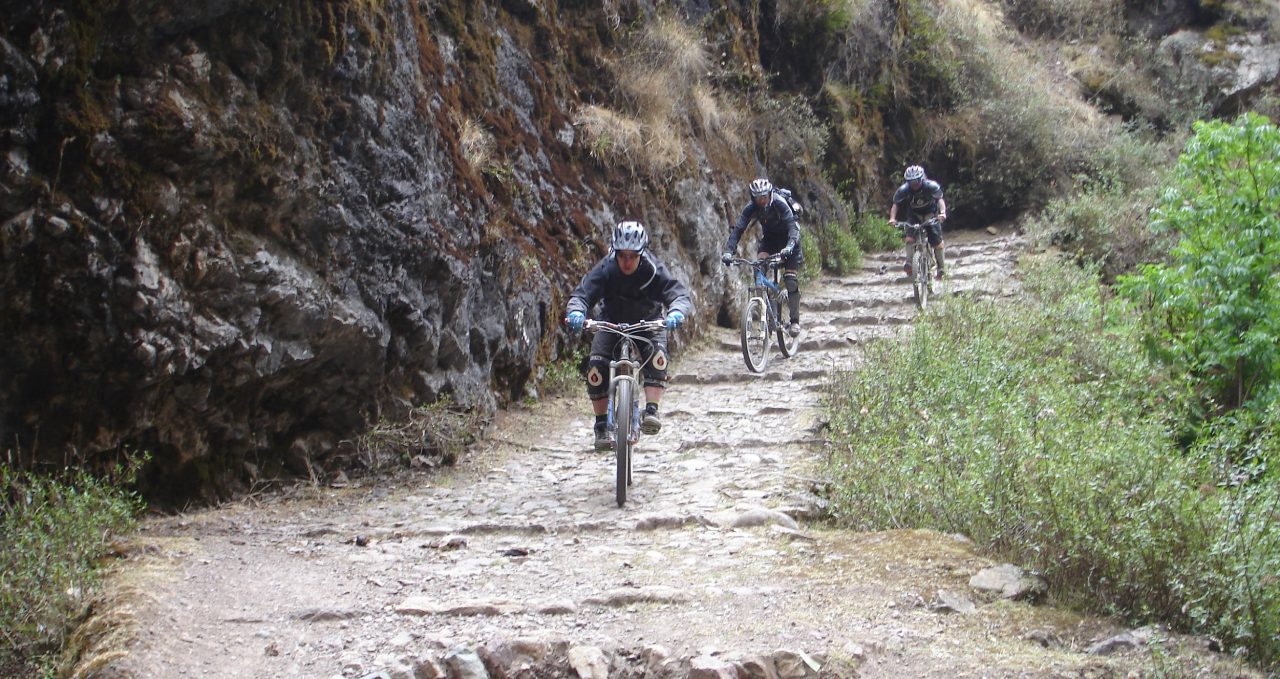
point(771, 291)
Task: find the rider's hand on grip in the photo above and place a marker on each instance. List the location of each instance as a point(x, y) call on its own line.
point(576, 320)
point(726, 257)
point(786, 252)
point(675, 319)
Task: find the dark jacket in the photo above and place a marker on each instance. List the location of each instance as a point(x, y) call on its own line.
point(630, 299)
point(777, 224)
point(923, 201)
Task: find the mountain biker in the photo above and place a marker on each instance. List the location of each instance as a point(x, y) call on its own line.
point(780, 234)
point(634, 286)
point(923, 200)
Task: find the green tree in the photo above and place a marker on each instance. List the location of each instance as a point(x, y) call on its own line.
point(1214, 307)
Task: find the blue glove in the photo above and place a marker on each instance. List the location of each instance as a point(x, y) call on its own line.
point(576, 320)
point(675, 319)
point(727, 257)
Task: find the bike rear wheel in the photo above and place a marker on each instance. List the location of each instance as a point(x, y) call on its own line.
point(920, 277)
point(755, 334)
point(622, 411)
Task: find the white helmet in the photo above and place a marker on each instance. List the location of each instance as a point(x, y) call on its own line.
point(913, 173)
point(761, 187)
point(630, 235)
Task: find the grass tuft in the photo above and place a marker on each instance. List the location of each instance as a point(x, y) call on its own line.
point(54, 528)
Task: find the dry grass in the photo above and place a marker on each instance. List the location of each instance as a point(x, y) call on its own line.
point(680, 52)
point(715, 117)
point(612, 136)
point(1066, 19)
point(666, 101)
point(651, 92)
point(477, 145)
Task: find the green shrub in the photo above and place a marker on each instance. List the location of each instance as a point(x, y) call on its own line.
point(833, 248)
point(1101, 224)
point(873, 233)
point(563, 375)
point(52, 530)
point(1214, 310)
point(1040, 429)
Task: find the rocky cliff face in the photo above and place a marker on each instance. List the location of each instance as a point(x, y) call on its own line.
point(234, 232)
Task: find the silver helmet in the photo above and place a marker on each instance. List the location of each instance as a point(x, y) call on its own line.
point(630, 235)
point(913, 173)
point(761, 187)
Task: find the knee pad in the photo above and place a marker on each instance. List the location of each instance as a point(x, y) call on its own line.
point(598, 376)
point(655, 371)
point(792, 282)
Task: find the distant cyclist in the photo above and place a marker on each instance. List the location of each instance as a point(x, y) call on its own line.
point(633, 286)
point(780, 234)
point(923, 200)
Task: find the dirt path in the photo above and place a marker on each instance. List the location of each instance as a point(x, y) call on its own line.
point(520, 558)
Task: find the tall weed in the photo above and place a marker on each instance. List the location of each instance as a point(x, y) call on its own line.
point(1040, 429)
point(53, 530)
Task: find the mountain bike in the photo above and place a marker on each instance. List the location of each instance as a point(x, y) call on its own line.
point(762, 313)
point(625, 392)
point(922, 261)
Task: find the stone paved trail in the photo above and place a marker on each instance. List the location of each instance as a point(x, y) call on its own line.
point(519, 563)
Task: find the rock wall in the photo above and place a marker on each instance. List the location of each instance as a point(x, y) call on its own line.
point(235, 232)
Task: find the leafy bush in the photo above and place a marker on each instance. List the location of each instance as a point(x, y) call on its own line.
point(52, 530)
point(833, 248)
point(1041, 430)
point(563, 375)
point(873, 233)
point(1102, 224)
point(1214, 310)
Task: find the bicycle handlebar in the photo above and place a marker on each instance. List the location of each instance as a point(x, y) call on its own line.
point(624, 329)
point(902, 226)
point(771, 260)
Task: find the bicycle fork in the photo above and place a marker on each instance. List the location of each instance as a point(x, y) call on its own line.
point(635, 403)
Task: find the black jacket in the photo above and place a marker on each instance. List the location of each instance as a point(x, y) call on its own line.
point(923, 201)
point(777, 224)
point(630, 299)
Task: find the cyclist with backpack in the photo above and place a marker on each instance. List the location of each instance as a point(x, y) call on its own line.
point(780, 234)
point(923, 200)
point(633, 286)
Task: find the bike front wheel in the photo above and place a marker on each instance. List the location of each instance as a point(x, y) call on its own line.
point(920, 278)
point(623, 409)
point(755, 334)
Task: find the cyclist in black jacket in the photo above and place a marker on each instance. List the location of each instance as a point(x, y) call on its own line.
point(634, 286)
point(779, 234)
point(923, 200)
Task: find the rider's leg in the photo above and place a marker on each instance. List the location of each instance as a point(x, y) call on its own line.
point(655, 382)
point(598, 387)
point(935, 239)
point(792, 280)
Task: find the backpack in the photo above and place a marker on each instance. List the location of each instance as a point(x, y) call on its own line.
point(791, 201)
